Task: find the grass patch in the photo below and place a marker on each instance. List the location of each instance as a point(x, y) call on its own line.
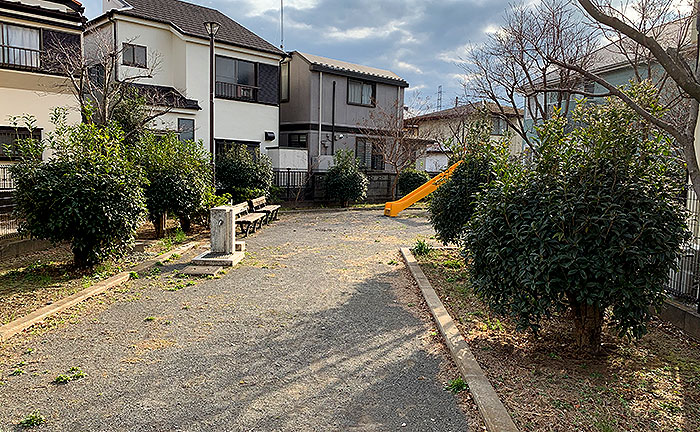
point(456, 385)
point(32, 420)
point(648, 385)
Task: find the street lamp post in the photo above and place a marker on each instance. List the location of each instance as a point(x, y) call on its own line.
point(212, 28)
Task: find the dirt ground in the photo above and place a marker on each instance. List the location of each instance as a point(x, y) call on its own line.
point(652, 384)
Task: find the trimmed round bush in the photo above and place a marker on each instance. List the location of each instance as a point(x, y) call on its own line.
point(410, 179)
point(88, 193)
point(242, 174)
point(344, 181)
point(593, 228)
point(453, 203)
point(178, 176)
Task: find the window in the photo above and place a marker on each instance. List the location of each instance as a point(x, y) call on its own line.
point(284, 82)
point(589, 87)
point(236, 79)
point(360, 93)
point(19, 46)
point(224, 145)
point(96, 75)
point(297, 140)
point(8, 141)
point(362, 152)
point(134, 55)
point(185, 129)
point(500, 126)
point(377, 161)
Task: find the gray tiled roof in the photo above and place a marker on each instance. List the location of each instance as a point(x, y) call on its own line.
point(467, 109)
point(189, 19)
point(343, 66)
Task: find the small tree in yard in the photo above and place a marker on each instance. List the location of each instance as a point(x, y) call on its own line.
point(384, 129)
point(178, 175)
point(344, 180)
point(242, 174)
point(89, 193)
point(593, 228)
point(452, 204)
point(411, 179)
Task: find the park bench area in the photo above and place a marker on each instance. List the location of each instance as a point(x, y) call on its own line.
point(253, 214)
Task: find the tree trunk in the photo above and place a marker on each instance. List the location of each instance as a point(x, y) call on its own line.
point(588, 325)
point(81, 258)
point(185, 224)
point(159, 225)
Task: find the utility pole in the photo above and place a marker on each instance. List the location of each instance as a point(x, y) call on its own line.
point(439, 98)
point(282, 25)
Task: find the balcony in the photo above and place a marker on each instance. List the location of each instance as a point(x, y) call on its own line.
point(19, 58)
point(240, 92)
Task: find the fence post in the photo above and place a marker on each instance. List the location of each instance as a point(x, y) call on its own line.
point(289, 177)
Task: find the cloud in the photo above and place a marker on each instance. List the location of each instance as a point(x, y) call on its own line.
point(260, 7)
point(421, 40)
point(401, 65)
point(457, 55)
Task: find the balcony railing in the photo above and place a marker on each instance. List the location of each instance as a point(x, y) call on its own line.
point(6, 182)
point(226, 90)
point(19, 58)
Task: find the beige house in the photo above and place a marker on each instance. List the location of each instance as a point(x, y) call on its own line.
point(452, 126)
point(29, 83)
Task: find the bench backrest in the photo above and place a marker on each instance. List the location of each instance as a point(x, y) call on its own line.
point(241, 208)
point(258, 202)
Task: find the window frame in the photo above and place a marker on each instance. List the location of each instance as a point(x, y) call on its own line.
point(12, 133)
point(240, 92)
point(362, 162)
point(298, 135)
point(373, 98)
point(286, 64)
point(5, 46)
point(180, 128)
point(376, 156)
point(133, 62)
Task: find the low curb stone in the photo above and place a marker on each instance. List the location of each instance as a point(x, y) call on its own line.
point(20, 324)
point(490, 406)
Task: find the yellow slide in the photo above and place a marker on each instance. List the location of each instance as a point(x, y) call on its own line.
point(393, 208)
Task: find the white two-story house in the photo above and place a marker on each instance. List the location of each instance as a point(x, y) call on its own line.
point(168, 38)
point(31, 82)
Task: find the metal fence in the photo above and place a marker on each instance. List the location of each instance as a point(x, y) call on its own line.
point(684, 282)
point(8, 223)
point(302, 185)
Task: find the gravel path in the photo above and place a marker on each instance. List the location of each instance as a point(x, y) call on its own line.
point(309, 333)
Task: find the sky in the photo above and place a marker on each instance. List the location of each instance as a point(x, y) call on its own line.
point(420, 40)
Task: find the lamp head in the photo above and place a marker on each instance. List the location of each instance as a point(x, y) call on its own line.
point(212, 28)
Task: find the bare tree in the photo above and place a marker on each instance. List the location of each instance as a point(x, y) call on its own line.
point(652, 33)
point(385, 131)
point(517, 60)
point(93, 77)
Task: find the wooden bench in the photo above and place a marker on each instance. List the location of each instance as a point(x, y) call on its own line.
point(259, 205)
point(247, 219)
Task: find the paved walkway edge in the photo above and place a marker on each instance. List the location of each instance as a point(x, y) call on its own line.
point(490, 406)
point(20, 324)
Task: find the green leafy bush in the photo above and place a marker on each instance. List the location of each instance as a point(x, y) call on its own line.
point(242, 174)
point(178, 176)
point(593, 228)
point(452, 204)
point(410, 179)
point(344, 181)
point(88, 193)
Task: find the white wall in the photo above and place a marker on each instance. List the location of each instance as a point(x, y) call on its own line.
point(296, 159)
point(182, 62)
point(35, 94)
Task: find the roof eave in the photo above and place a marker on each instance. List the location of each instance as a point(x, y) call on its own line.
point(353, 74)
